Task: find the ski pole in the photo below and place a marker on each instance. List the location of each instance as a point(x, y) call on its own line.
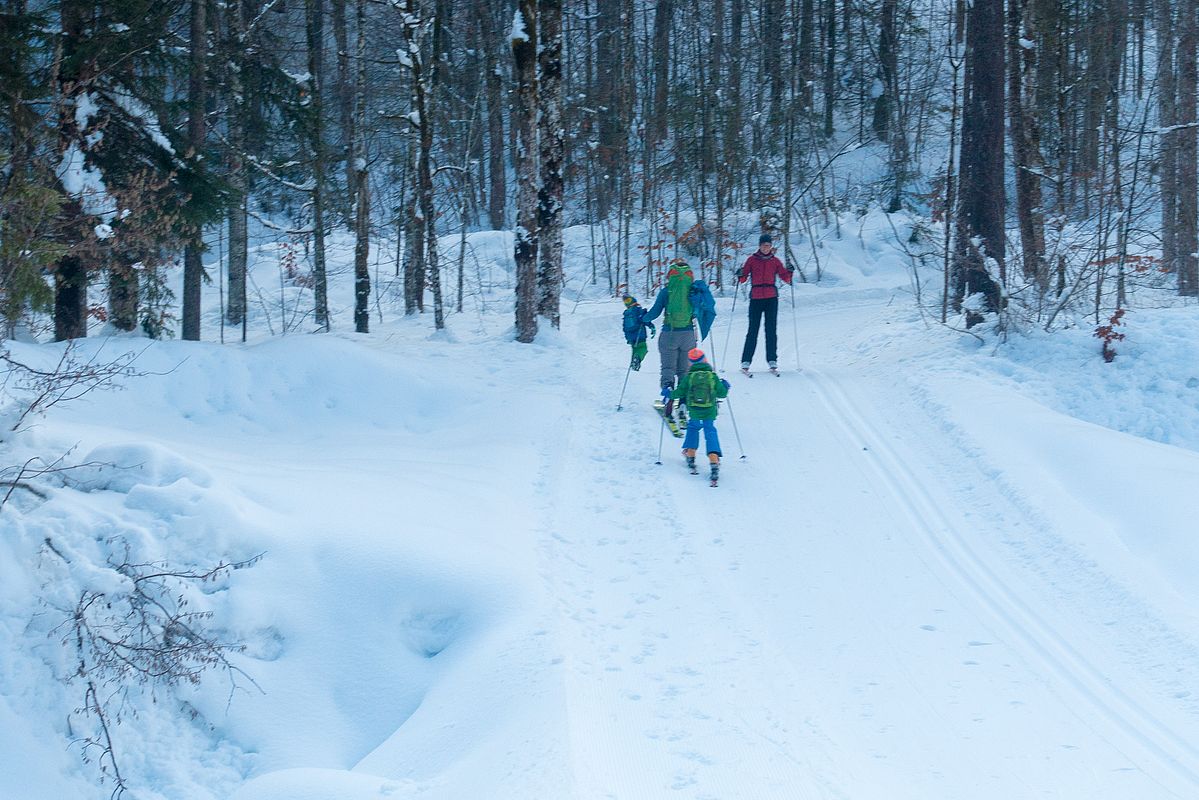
point(795, 325)
point(729, 335)
point(736, 432)
point(732, 417)
point(661, 432)
point(619, 402)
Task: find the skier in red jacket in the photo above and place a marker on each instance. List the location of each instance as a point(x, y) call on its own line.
point(761, 269)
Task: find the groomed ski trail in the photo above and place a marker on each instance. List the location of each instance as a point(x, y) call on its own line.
point(854, 646)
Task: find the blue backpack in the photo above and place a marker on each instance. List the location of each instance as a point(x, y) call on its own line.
point(704, 305)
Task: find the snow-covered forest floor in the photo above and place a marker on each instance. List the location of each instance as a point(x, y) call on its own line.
point(946, 567)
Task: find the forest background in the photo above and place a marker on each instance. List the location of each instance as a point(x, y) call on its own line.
point(1048, 146)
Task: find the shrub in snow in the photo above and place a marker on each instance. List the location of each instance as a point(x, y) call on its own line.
point(1108, 334)
point(132, 628)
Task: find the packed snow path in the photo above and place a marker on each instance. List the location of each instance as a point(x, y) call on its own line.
point(839, 619)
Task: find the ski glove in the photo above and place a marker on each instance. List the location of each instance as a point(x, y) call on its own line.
point(652, 330)
point(726, 383)
point(665, 394)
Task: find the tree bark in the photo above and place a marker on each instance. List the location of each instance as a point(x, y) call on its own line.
point(887, 67)
point(550, 192)
point(362, 210)
point(807, 53)
point(609, 59)
point(1188, 152)
point(345, 106)
point(1026, 144)
point(423, 207)
point(193, 265)
point(830, 65)
point(235, 305)
point(314, 19)
point(524, 54)
point(980, 230)
point(663, 22)
point(1167, 115)
point(70, 273)
point(496, 106)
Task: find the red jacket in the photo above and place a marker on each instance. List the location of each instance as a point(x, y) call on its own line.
point(763, 270)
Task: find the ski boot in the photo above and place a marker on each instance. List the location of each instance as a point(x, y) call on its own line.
point(714, 475)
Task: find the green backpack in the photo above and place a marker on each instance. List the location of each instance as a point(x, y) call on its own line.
point(678, 301)
point(701, 389)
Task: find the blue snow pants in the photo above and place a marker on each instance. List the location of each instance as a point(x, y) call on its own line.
point(711, 438)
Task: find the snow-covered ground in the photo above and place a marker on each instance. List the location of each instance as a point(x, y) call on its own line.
point(944, 568)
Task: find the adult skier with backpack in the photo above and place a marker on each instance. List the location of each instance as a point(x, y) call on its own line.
point(701, 390)
point(635, 328)
point(685, 302)
point(761, 269)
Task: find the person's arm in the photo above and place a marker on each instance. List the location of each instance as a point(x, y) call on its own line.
point(680, 391)
point(783, 272)
point(744, 273)
point(657, 307)
point(722, 387)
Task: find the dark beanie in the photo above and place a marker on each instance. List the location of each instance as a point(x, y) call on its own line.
point(765, 239)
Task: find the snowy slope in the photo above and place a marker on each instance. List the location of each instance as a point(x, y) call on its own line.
point(940, 571)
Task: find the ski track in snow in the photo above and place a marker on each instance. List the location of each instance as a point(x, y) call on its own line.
point(695, 660)
point(1144, 735)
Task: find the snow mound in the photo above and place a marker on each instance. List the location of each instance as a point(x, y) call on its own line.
point(121, 467)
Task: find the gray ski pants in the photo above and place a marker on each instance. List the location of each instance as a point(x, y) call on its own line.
point(673, 346)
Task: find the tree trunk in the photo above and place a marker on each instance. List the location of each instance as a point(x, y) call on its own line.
point(362, 210)
point(1167, 118)
point(980, 230)
point(193, 265)
point(807, 53)
point(887, 66)
point(345, 107)
point(549, 213)
point(414, 244)
point(496, 106)
point(612, 133)
point(830, 65)
point(235, 306)
point(70, 273)
point(771, 64)
point(663, 21)
point(524, 55)
point(315, 25)
point(423, 207)
point(1026, 144)
point(1188, 151)
point(733, 146)
point(122, 295)
point(70, 299)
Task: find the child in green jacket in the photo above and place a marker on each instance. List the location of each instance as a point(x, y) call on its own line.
point(699, 390)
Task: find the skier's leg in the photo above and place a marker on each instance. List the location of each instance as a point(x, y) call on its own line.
point(712, 440)
point(771, 309)
point(751, 334)
point(639, 351)
point(665, 360)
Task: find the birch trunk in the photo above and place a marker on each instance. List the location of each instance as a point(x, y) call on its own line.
point(524, 54)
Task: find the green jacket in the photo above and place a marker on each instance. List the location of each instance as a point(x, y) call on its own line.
point(722, 390)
